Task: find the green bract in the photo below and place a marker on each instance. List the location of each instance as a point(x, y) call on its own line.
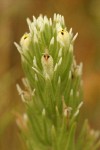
point(53, 95)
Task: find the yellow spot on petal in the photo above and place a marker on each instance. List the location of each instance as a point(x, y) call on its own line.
point(25, 36)
point(25, 41)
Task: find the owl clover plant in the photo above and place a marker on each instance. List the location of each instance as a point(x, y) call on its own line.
point(53, 89)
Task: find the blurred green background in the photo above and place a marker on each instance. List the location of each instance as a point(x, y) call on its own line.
point(84, 17)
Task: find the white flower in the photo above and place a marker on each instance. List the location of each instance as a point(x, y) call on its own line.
point(58, 27)
point(63, 37)
point(25, 41)
point(78, 71)
point(47, 64)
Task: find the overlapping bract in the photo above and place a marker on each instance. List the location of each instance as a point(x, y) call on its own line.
point(53, 84)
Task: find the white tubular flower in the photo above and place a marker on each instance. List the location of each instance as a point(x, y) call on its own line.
point(59, 18)
point(67, 111)
point(78, 71)
point(58, 27)
point(46, 21)
point(25, 41)
point(47, 63)
point(63, 37)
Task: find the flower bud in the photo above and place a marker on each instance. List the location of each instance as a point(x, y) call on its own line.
point(63, 37)
point(25, 41)
point(47, 64)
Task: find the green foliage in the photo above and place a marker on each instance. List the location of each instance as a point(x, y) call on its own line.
point(52, 94)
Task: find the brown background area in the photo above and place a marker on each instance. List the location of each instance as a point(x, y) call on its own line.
point(84, 17)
